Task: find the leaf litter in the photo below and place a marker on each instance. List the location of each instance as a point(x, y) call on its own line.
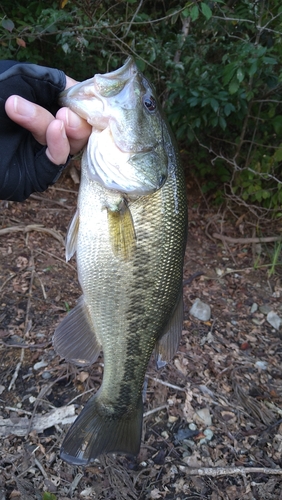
point(213, 415)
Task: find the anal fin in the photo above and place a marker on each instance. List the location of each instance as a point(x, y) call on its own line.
point(167, 345)
point(74, 338)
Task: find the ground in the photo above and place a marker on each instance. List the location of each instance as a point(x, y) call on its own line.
point(212, 425)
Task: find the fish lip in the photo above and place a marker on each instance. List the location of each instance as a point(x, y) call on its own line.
point(128, 67)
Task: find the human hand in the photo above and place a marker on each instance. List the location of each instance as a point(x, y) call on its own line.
point(64, 134)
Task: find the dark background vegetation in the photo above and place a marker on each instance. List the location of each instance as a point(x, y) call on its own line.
point(216, 66)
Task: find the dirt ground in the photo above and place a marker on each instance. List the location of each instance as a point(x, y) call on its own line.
point(213, 416)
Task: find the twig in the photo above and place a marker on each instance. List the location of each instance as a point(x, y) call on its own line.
point(75, 483)
point(229, 239)
point(56, 188)
point(18, 410)
point(40, 467)
point(80, 395)
point(26, 327)
point(189, 280)
point(40, 250)
point(159, 381)
point(154, 410)
point(33, 227)
point(26, 346)
point(132, 20)
point(24, 425)
point(16, 372)
point(230, 471)
point(42, 287)
point(48, 200)
point(6, 281)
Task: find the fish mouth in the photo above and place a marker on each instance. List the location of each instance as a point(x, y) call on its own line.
point(123, 152)
point(100, 85)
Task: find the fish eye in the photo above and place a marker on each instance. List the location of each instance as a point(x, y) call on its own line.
point(150, 103)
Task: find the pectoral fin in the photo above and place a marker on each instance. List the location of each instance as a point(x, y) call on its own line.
point(167, 345)
point(71, 239)
point(121, 230)
point(74, 338)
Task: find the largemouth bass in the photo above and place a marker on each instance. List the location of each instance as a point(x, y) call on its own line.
point(129, 235)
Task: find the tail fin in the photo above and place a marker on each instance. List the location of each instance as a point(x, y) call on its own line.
point(98, 431)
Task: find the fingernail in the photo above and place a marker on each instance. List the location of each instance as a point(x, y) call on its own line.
point(73, 120)
point(23, 107)
point(63, 130)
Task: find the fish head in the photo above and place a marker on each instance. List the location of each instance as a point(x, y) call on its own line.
point(126, 150)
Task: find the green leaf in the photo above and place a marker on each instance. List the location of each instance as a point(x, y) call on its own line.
point(269, 60)
point(193, 101)
point(194, 13)
point(240, 75)
point(253, 68)
point(174, 17)
point(206, 10)
point(48, 496)
point(278, 154)
point(141, 65)
point(205, 102)
point(8, 24)
point(277, 124)
point(228, 108)
point(222, 122)
point(186, 12)
point(228, 72)
point(233, 86)
point(214, 104)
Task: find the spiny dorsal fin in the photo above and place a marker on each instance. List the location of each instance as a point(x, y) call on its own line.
point(121, 230)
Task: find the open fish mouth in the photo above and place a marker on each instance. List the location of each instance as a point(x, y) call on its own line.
point(88, 98)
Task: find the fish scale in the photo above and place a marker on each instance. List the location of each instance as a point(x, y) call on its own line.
point(131, 280)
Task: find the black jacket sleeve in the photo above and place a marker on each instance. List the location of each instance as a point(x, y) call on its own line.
point(24, 166)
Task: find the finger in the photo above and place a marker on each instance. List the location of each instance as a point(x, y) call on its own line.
point(30, 116)
point(70, 82)
point(58, 147)
point(77, 129)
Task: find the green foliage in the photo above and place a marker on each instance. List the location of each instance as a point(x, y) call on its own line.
point(216, 66)
point(48, 496)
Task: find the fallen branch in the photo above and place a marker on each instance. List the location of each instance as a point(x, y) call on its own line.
point(27, 327)
point(167, 384)
point(154, 410)
point(230, 471)
point(33, 227)
point(48, 200)
point(246, 241)
point(22, 426)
